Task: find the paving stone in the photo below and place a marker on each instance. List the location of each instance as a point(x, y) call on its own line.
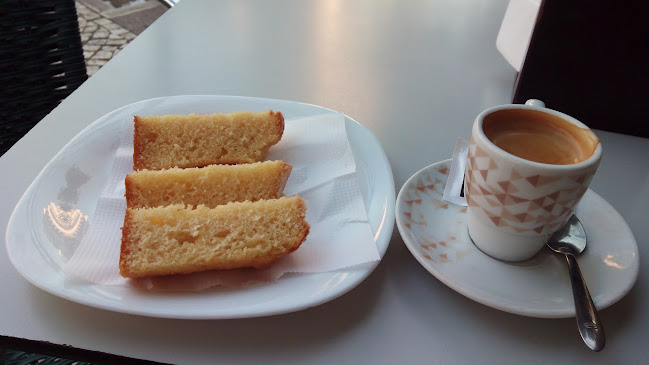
point(87, 14)
point(91, 47)
point(114, 27)
point(102, 21)
point(101, 33)
point(97, 41)
point(96, 62)
point(91, 69)
point(103, 55)
point(115, 42)
point(118, 30)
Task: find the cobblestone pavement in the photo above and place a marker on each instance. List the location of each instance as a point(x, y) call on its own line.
point(102, 37)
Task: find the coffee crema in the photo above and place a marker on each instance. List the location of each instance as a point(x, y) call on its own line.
point(540, 137)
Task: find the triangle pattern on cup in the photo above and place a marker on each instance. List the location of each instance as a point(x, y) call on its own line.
point(488, 189)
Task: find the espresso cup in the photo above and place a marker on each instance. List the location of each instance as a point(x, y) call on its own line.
point(527, 168)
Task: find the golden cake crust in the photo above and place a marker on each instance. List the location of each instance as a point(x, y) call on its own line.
point(196, 140)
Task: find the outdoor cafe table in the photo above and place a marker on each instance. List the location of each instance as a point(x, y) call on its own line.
point(415, 73)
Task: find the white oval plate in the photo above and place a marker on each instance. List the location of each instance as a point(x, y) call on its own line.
point(39, 247)
point(435, 233)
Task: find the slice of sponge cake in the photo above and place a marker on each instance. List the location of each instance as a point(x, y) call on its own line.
point(178, 240)
point(211, 185)
point(197, 140)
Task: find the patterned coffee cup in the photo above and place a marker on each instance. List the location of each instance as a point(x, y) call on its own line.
point(515, 204)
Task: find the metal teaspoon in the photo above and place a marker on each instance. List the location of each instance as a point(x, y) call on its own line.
point(570, 240)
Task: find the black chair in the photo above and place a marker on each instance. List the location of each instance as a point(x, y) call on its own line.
point(41, 62)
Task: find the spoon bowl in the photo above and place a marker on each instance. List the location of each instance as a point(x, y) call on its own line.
point(571, 240)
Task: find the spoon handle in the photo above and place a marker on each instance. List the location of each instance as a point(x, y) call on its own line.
point(590, 327)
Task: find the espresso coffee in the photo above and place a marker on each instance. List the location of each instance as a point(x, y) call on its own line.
point(540, 137)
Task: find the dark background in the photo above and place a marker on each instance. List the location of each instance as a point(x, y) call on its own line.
point(590, 60)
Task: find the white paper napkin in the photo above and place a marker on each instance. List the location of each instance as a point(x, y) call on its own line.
point(455, 181)
point(324, 175)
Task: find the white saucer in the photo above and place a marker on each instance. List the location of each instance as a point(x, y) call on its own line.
point(435, 233)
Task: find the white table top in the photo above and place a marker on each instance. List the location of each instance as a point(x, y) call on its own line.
point(415, 73)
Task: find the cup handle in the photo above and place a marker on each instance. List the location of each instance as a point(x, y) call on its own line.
point(535, 102)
